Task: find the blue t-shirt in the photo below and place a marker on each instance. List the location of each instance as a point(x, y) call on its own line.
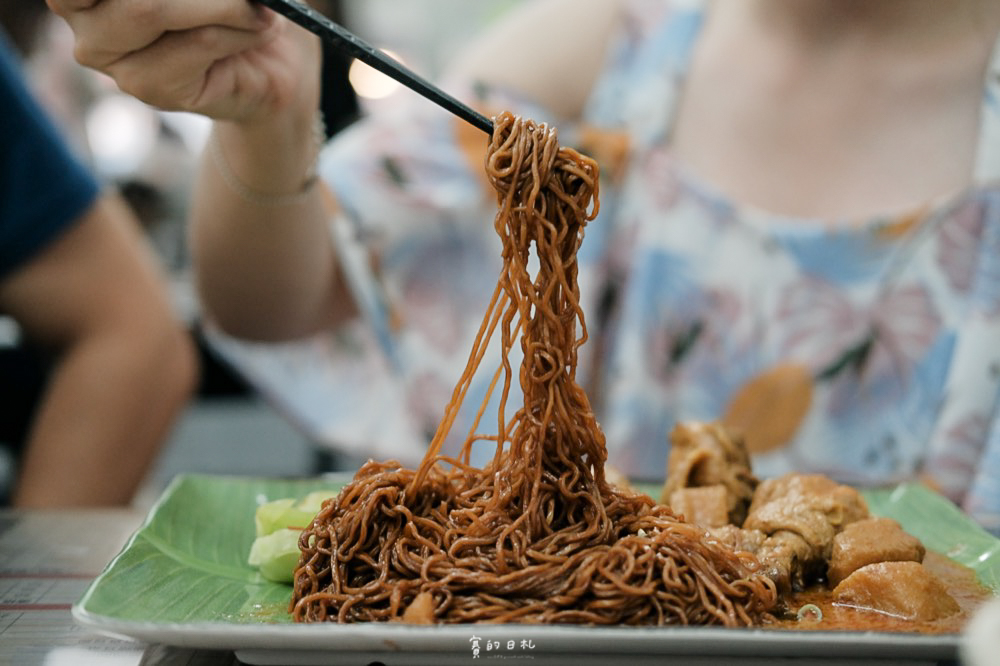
point(43, 188)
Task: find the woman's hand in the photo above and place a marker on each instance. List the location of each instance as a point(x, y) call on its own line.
point(264, 271)
point(226, 59)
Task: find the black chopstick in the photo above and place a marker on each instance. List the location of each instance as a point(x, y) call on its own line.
point(340, 37)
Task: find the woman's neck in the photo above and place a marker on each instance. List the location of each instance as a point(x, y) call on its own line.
point(844, 98)
point(919, 24)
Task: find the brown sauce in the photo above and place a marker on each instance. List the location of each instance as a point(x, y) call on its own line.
point(959, 580)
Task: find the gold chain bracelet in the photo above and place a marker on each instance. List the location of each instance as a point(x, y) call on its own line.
point(257, 197)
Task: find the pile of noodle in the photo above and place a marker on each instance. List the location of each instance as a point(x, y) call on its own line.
point(538, 535)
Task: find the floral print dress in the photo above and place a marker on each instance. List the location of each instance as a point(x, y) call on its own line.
point(868, 350)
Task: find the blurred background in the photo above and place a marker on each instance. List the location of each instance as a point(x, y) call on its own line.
point(150, 157)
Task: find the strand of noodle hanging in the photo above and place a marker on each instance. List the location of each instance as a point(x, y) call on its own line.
point(479, 348)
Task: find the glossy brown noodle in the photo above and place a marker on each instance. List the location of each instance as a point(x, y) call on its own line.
point(537, 535)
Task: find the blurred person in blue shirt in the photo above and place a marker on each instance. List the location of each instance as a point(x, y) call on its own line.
point(83, 289)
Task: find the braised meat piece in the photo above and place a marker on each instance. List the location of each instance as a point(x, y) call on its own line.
point(839, 505)
point(708, 454)
point(420, 610)
point(707, 506)
point(788, 560)
point(739, 539)
point(801, 514)
point(868, 541)
point(811, 505)
point(903, 589)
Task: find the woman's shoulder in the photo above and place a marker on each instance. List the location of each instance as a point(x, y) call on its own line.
point(645, 64)
point(646, 18)
point(549, 52)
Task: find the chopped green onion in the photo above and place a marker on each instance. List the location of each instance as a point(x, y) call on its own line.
point(810, 613)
